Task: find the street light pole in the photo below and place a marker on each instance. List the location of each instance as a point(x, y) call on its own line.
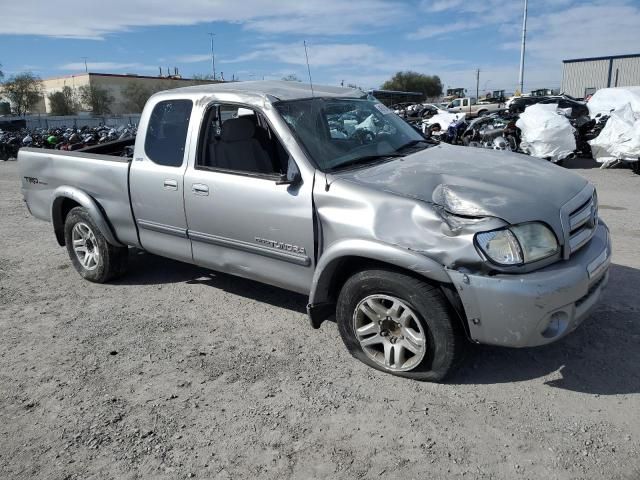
point(213, 58)
point(522, 49)
point(86, 69)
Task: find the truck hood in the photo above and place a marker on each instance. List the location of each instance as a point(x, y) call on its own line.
point(476, 182)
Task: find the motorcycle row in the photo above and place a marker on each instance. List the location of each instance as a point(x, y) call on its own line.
point(62, 138)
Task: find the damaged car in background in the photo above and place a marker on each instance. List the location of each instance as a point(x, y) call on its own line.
point(554, 128)
point(416, 248)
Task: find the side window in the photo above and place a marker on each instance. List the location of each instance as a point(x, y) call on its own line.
point(239, 139)
point(167, 132)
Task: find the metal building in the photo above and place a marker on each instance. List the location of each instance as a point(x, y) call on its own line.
point(583, 76)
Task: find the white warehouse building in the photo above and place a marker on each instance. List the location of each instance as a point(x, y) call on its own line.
point(583, 76)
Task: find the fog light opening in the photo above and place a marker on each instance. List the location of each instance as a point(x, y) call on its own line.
point(557, 324)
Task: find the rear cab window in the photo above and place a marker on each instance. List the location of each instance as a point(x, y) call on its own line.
point(167, 132)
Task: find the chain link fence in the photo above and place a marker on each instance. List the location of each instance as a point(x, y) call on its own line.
point(79, 121)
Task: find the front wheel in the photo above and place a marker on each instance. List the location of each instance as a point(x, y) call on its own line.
point(92, 256)
point(400, 325)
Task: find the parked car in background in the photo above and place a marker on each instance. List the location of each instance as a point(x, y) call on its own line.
point(578, 108)
point(471, 108)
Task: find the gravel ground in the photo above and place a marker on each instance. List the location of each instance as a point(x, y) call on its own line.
point(177, 372)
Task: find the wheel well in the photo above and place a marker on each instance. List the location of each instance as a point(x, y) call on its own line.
point(60, 215)
point(349, 266)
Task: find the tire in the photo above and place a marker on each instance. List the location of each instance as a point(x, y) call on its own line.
point(102, 261)
point(429, 316)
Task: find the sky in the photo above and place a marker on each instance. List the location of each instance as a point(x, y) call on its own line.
point(360, 42)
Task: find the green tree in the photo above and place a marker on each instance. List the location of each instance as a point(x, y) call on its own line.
point(24, 91)
point(135, 96)
point(63, 102)
point(292, 77)
point(202, 76)
point(429, 85)
point(96, 98)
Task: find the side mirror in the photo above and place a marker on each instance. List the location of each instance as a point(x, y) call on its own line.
point(292, 177)
point(289, 179)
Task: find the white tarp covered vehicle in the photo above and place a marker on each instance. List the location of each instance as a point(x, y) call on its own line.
point(442, 118)
point(619, 140)
point(607, 99)
point(546, 133)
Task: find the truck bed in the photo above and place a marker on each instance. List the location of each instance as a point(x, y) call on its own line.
point(104, 177)
point(117, 148)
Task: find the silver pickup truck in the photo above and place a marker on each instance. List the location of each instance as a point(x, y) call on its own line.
point(415, 248)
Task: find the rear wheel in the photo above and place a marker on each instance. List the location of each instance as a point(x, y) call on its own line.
point(92, 256)
point(400, 325)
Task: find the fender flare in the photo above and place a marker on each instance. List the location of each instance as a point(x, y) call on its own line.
point(85, 200)
point(403, 258)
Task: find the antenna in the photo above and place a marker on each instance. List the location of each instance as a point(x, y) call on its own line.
point(308, 69)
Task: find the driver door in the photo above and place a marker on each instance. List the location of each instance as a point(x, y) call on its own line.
point(241, 220)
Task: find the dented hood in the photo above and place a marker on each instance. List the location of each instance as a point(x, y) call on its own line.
point(476, 182)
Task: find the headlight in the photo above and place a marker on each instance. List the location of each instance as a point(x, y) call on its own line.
point(518, 244)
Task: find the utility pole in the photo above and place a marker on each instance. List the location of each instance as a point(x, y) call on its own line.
point(86, 69)
point(213, 58)
point(522, 49)
point(477, 85)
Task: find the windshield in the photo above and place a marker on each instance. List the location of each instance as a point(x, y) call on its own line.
point(338, 132)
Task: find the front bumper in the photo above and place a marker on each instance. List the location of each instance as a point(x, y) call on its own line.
point(536, 308)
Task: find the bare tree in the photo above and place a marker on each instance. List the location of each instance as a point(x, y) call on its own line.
point(24, 91)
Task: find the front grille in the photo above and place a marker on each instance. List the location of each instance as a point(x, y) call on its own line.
point(581, 221)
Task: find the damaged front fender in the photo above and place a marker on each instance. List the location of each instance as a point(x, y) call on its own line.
point(417, 236)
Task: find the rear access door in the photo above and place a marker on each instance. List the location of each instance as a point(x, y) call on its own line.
point(156, 180)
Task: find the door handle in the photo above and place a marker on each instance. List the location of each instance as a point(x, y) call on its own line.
point(171, 184)
point(200, 189)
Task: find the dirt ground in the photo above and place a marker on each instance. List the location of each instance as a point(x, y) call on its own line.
point(177, 372)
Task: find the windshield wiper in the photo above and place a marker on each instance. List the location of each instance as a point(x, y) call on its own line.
point(364, 160)
point(412, 143)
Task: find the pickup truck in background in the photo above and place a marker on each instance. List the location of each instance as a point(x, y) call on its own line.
point(471, 108)
point(415, 248)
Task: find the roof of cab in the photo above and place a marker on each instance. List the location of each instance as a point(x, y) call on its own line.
point(280, 89)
